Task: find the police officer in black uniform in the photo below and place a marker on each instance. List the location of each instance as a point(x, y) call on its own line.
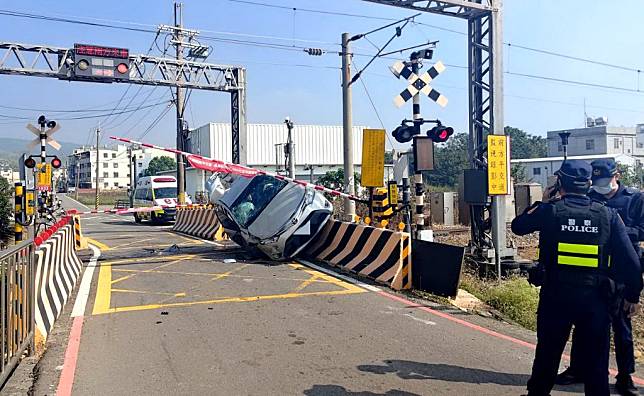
point(585, 252)
point(629, 203)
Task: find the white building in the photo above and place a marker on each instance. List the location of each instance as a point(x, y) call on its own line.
point(599, 139)
point(538, 170)
point(11, 175)
point(114, 171)
point(143, 156)
point(318, 149)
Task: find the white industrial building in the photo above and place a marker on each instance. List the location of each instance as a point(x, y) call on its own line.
point(114, 166)
point(537, 170)
point(318, 149)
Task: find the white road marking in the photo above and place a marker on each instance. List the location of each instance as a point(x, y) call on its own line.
point(78, 203)
point(427, 322)
point(336, 275)
point(86, 282)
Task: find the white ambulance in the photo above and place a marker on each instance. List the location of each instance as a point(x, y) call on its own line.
point(156, 191)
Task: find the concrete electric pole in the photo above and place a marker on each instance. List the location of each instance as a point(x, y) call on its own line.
point(347, 131)
point(178, 41)
point(290, 147)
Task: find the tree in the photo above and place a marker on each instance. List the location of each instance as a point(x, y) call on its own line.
point(449, 161)
point(517, 171)
point(6, 208)
point(631, 176)
point(160, 164)
point(335, 179)
point(524, 145)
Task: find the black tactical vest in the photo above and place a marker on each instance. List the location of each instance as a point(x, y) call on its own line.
point(576, 245)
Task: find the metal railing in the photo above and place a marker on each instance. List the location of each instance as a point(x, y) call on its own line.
point(17, 294)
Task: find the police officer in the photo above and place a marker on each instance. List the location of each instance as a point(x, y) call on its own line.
point(585, 251)
point(629, 203)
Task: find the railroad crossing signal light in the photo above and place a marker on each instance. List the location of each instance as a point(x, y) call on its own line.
point(405, 133)
point(101, 63)
point(56, 163)
point(30, 163)
point(440, 134)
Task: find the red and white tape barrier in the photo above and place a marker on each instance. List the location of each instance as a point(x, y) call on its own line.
point(213, 165)
point(118, 211)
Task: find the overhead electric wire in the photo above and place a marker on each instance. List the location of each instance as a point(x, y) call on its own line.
point(86, 117)
point(155, 122)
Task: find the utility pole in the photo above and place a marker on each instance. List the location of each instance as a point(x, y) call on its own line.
point(178, 40)
point(77, 162)
point(347, 132)
point(290, 148)
point(98, 162)
point(130, 159)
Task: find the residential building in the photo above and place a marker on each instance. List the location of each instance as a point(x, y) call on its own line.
point(11, 175)
point(599, 139)
point(538, 170)
point(114, 171)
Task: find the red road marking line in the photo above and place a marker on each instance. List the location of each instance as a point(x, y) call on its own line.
point(481, 329)
point(71, 356)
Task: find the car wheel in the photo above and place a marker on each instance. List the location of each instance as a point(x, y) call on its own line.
point(137, 219)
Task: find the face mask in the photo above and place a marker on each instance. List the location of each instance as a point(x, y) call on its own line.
point(605, 190)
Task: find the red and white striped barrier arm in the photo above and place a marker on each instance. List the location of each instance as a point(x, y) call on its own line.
point(214, 165)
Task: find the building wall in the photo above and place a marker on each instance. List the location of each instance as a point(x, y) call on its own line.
point(145, 155)
point(114, 172)
point(537, 170)
point(598, 140)
point(314, 144)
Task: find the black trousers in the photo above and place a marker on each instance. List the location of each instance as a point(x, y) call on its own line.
point(623, 338)
point(561, 307)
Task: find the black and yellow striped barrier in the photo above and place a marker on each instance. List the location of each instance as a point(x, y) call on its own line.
point(200, 221)
point(79, 241)
point(376, 253)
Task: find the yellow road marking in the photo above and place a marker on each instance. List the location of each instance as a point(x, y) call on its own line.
point(148, 292)
point(183, 237)
point(98, 244)
point(232, 299)
point(210, 274)
point(144, 260)
point(326, 277)
point(103, 290)
point(151, 269)
point(304, 284)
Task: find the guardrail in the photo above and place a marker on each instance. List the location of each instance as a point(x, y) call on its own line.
point(17, 319)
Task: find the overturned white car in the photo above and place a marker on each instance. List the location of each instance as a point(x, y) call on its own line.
point(277, 217)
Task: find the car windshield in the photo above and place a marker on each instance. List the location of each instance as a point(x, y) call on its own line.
point(259, 193)
point(165, 192)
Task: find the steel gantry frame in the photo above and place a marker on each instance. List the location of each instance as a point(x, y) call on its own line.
point(485, 76)
point(48, 61)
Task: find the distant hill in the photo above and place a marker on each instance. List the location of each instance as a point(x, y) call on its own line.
point(11, 149)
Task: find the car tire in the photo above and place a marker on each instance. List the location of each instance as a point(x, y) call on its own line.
point(137, 219)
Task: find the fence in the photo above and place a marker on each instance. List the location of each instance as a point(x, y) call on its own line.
point(16, 305)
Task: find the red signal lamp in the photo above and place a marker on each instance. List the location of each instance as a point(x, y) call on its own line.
point(122, 68)
point(56, 163)
point(440, 133)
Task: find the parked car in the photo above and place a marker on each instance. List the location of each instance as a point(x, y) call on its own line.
point(276, 217)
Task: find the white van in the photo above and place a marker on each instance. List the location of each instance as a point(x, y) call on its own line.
point(156, 191)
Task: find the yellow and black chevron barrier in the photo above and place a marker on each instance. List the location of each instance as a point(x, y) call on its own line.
point(79, 241)
point(379, 254)
point(200, 221)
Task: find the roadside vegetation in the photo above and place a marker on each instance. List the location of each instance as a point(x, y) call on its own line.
point(106, 197)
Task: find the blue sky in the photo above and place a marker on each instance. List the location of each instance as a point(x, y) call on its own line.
point(280, 85)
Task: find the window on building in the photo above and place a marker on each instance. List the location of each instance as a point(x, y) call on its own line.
point(116, 184)
point(616, 143)
point(116, 174)
point(116, 165)
point(536, 171)
point(105, 174)
point(140, 164)
point(113, 155)
point(590, 144)
point(104, 155)
point(106, 184)
point(105, 165)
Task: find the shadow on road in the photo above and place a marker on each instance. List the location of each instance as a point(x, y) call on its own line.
point(337, 390)
point(445, 372)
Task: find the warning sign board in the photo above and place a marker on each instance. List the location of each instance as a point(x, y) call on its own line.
point(498, 164)
point(43, 179)
point(373, 158)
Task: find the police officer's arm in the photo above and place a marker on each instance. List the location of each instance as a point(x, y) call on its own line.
point(636, 212)
point(627, 264)
point(531, 220)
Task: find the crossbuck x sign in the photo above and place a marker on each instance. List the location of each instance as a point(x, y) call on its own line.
point(418, 83)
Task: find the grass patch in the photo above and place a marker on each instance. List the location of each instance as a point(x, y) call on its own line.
point(513, 297)
point(108, 197)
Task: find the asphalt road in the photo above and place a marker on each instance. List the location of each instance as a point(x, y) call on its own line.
point(167, 314)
